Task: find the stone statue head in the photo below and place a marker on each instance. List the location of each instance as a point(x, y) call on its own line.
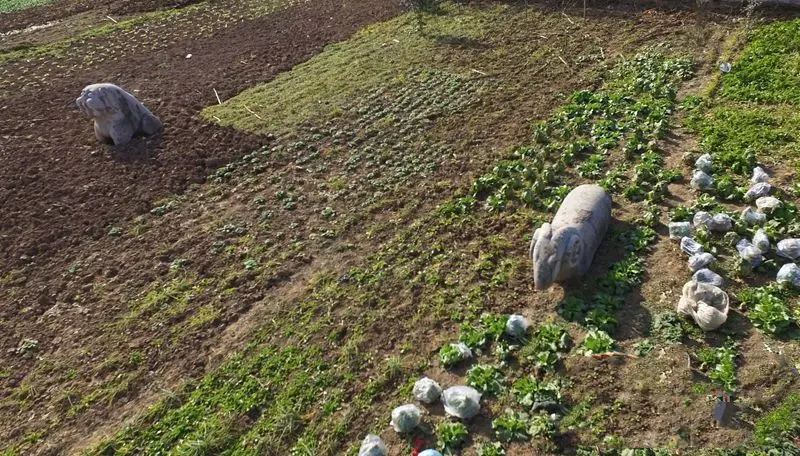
point(553, 254)
point(99, 100)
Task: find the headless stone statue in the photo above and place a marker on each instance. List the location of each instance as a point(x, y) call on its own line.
point(118, 116)
point(565, 248)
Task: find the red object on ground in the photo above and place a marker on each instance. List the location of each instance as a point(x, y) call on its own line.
point(419, 445)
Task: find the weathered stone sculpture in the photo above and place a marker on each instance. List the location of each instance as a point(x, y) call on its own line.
point(118, 115)
point(705, 303)
point(565, 248)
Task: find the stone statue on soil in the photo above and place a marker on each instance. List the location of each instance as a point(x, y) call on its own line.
point(565, 248)
point(118, 116)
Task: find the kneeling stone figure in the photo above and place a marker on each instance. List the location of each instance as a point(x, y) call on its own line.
point(118, 115)
point(565, 248)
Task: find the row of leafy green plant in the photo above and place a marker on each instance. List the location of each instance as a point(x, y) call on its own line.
point(751, 122)
point(529, 396)
point(746, 123)
point(630, 115)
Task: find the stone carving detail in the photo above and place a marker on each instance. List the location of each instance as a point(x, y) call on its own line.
point(565, 248)
point(118, 116)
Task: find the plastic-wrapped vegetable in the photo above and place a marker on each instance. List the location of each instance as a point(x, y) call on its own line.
point(759, 175)
point(430, 453)
point(700, 260)
point(702, 218)
point(789, 248)
point(690, 246)
point(708, 276)
point(761, 241)
point(427, 390)
point(757, 191)
point(372, 446)
point(789, 273)
point(751, 217)
point(406, 417)
point(721, 222)
point(704, 163)
point(516, 326)
point(767, 204)
point(701, 180)
point(678, 230)
point(705, 303)
point(461, 401)
point(749, 252)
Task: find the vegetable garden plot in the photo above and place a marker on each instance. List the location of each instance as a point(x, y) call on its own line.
point(390, 224)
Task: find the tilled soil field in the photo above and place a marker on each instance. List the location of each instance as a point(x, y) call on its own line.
point(59, 185)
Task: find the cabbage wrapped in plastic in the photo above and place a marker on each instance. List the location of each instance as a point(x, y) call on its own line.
point(767, 204)
point(701, 180)
point(372, 446)
point(704, 163)
point(759, 175)
point(699, 261)
point(426, 390)
point(406, 417)
point(789, 273)
point(751, 217)
point(761, 241)
point(708, 276)
point(690, 246)
point(789, 248)
point(721, 222)
point(707, 304)
point(702, 218)
point(461, 401)
point(749, 252)
point(430, 452)
point(678, 230)
point(517, 326)
point(757, 191)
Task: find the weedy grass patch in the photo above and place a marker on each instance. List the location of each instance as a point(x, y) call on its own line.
point(781, 424)
point(6, 6)
point(376, 58)
point(767, 70)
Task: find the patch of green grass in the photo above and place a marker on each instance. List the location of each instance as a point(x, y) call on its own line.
point(279, 383)
point(166, 300)
point(7, 6)
point(782, 423)
point(735, 134)
point(768, 71)
point(377, 57)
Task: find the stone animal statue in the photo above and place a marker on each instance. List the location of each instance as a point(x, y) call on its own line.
point(118, 116)
point(707, 304)
point(565, 248)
